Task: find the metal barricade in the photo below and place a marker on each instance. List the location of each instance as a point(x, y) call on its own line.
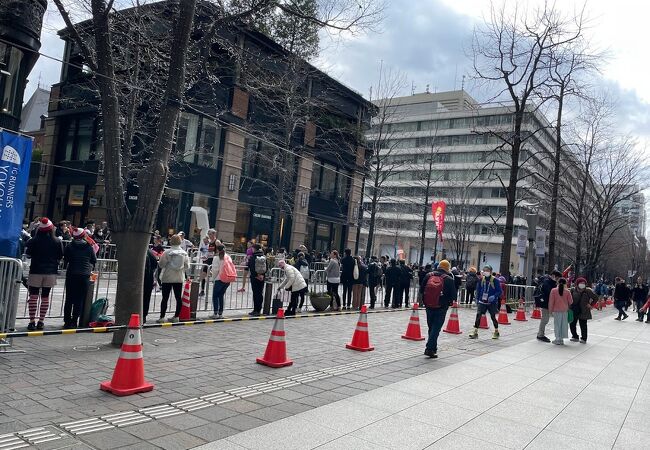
point(11, 271)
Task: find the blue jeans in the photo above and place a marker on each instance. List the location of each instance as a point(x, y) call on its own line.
point(217, 296)
point(435, 321)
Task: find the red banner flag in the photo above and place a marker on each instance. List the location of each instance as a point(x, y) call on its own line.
point(438, 210)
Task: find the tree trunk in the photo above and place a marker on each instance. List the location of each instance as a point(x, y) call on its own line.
point(556, 181)
point(511, 194)
point(152, 178)
point(425, 213)
point(373, 215)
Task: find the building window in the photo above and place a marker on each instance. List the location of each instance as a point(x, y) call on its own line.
point(78, 137)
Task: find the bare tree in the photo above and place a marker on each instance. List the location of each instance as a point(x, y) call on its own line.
point(384, 161)
point(512, 50)
point(463, 213)
point(132, 225)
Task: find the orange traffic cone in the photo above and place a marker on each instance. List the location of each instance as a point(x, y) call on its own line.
point(503, 314)
point(128, 376)
point(413, 330)
point(453, 325)
point(609, 302)
point(361, 337)
point(537, 313)
point(186, 312)
point(276, 350)
point(521, 313)
point(484, 323)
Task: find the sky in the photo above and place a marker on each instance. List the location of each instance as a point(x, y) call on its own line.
point(428, 41)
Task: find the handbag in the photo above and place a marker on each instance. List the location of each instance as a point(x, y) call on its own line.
point(570, 315)
point(277, 303)
point(228, 272)
point(355, 271)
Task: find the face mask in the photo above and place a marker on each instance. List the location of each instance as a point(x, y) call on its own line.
point(487, 274)
point(582, 286)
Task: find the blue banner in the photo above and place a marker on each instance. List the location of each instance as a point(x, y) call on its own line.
point(15, 159)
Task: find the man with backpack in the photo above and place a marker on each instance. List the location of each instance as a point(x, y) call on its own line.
point(257, 270)
point(542, 295)
point(438, 294)
point(374, 280)
point(488, 294)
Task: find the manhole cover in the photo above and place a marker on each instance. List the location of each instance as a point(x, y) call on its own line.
point(86, 348)
point(165, 341)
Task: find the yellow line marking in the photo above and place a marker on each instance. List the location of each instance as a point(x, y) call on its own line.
point(34, 333)
point(3, 335)
point(99, 330)
point(71, 331)
point(166, 324)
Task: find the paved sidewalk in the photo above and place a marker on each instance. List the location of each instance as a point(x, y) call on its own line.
point(532, 395)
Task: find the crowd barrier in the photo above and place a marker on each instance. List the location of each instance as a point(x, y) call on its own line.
point(11, 271)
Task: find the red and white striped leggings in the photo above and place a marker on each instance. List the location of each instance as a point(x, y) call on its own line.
point(32, 302)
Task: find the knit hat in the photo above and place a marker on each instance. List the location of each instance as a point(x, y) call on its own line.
point(444, 265)
point(45, 225)
point(472, 269)
point(78, 233)
point(581, 280)
point(487, 266)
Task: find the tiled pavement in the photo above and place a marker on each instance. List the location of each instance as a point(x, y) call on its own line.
point(531, 395)
point(52, 384)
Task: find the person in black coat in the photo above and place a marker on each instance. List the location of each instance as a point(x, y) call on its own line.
point(374, 279)
point(547, 285)
point(347, 279)
point(405, 283)
point(436, 313)
point(640, 294)
point(622, 295)
point(150, 267)
point(80, 259)
point(45, 251)
point(392, 278)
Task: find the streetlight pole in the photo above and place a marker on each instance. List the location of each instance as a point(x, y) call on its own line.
point(531, 219)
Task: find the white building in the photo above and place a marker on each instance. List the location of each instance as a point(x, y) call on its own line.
point(463, 139)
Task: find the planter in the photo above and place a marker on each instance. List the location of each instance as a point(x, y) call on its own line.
point(320, 302)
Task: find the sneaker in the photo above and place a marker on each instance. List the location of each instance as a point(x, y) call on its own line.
point(31, 326)
point(574, 339)
point(214, 316)
point(430, 353)
point(543, 339)
point(220, 316)
point(254, 314)
point(474, 334)
point(647, 321)
point(558, 342)
point(639, 320)
point(174, 319)
point(583, 341)
point(241, 290)
point(617, 318)
point(161, 320)
point(625, 317)
point(40, 325)
point(496, 334)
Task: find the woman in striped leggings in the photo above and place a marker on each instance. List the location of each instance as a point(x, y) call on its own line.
point(45, 251)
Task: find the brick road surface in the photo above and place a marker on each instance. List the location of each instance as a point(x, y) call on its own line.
point(56, 380)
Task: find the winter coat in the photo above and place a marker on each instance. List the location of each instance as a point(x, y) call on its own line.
point(347, 268)
point(393, 276)
point(333, 271)
point(471, 280)
point(559, 303)
point(173, 262)
point(363, 275)
point(582, 301)
point(293, 280)
point(374, 273)
point(45, 252)
point(640, 292)
point(150, 266)
point(79, 258)
point(548, 284)
point(251, 263)
point(407, 275)
point(622, 293)
point(302, 262)
point(492, 287)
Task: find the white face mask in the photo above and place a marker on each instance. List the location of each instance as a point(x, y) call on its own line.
point(487, 274)
point(582, 286)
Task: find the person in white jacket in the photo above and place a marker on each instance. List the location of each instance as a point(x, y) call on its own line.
point(173, 263)
point(294, 282)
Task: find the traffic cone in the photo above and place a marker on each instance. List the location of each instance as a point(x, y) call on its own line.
point(484, 323)
point(276, 350)
point(128, 376)
point(521, 313)
point(537, 313)
point(186, 311)
point(361, 338)
point(453, 325)
point(413, 330)
point(609, 302)
point(503, 315)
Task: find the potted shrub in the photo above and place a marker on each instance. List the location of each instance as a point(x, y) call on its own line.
point(320, 301)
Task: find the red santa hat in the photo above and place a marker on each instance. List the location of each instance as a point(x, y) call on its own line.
point(45, 225)
point(78, 233)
